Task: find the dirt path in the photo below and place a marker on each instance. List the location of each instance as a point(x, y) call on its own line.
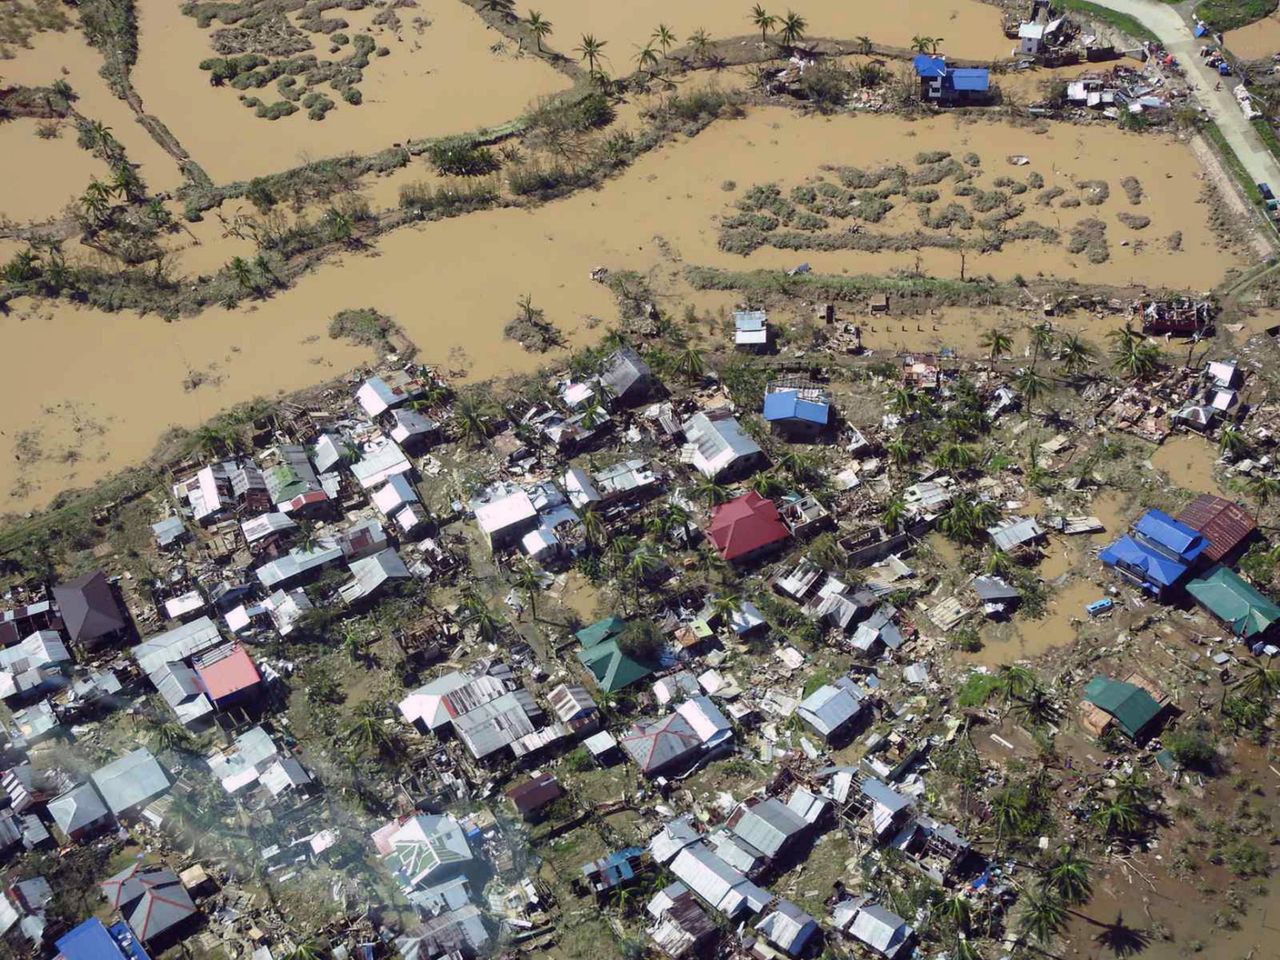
point(1230, 194)
point(1167, 24)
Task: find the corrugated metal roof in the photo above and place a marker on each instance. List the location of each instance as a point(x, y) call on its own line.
point(1224, 524)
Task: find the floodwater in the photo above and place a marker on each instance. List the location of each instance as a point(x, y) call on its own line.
point(441, 80)
point(68, 56)
point(1026, 639)
point(969, 28)
point(453, 284)
point(1259, 39)
point(103, 406)
point(59, 170)
point(1189, 461)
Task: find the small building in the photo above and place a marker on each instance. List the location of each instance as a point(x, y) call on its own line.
point(424, 848)
point(377, 395)
point(370, 575)
point(747, 528)
point(788, 929)
point(879, 929)
point(504, 521)
point(131, 782)
point(574, 707)
point(627, 377)
point(1013, 535)
point(796, 414)
point(614, 871)
point(1250, 616)
point(1157, 555)
point(768, 825)
point(720, 886)
point(1227, 526)
point(944, 85)
point(998, 597)
point(89, 610)
point(609, 665)
point(1130, 707)
point(833, 710)
point(92, 940)
point(718, 447)
point(79, 813)
point(751, 331)
point(681, 927)
point(533, 796)
point(664, 745)
point(227, 675)
point(154, 903)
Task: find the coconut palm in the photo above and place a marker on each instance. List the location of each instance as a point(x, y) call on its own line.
point(986, 514)
point(792, 29)
point(1037, 707)
point(725, 607)
point(955, 456)
point(125, 183)
point(999, 564)
point(1013, 682)
point(678, 516)
point(1040, 336)
point(592, 51)
point(1067, 874)
point(904, 401)
point(710, 492)
point(690, 365)
point(959, 523)
point(529, 582)
point(1042, 917)
point(470, 418)
point(171, 736)
point(921, 44)
point(1117, 817)
point(643, 562)
point(764, 22)
point(1263, 489)
point(997, 342)
point(476, 612)
point(646, 59)
point(620, 548)
point(1259, 682)
point(663, 37)
point(1074, 354)
point(766, 484)
point(895, 513)
point(592, 527)
point(1133, 356)
point(367, 734)
point(1232, 443)
point(956, 911)
point(865, 46)
point(539, 26)
point(700, 43)
point(96, 201)
point(899, 451)
point(306, 950)
point(241, 272)
point(1031, 384)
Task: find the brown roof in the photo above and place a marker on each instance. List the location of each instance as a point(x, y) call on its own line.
point(533, 795)
point(1224, 524)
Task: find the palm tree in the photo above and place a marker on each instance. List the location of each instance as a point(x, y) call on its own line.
point(1037, 707)
point(306, 950)
point(126, 183)
point(1259, 682)
point(171, 736)
point(529, 583)
point(793, 28)
point(1074, 353)
point(264, 268)
point(865, 46)
point(899, 451)
point(1066, 873)
point(241, 272)
point(955, 456)
point(921, 44)
point(725, 607)
point(999, 564)
point(1232, 443)
point(470, 418)
point(959, 522)
point(986, 514)
point(997, 342)
point(1263, 489)
point(539, 26)
point(366, 733)
point(646, 59)
point(641, 564)
point(690, 365)
point(592, 51)
point(904, 401)
point(764, 22)
point(1132, 355)
point(700, 42)
point(957, 912)
point(1117, 817)
point(663, 37)
point(476, 612)
point(895, 512)
point(1042, 917)
point(766, 485)
point(1041, 337)
point(1031, 384)
point(678, 516)
point(95, 202)
point(710, 492)
point(592, 527)
point(934, 42)
point(1014, 682)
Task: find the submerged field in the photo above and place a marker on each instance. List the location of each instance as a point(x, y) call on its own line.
point(969, 28)
point(445, 73)
point(1259, 39)
point(64, 168)
point(452, 284)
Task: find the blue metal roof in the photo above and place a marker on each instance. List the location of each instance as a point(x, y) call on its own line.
point(1160, 571)
point(971, 78)
point(787, 405)
point(1164, 531)
point(92, 941)
point(930, 67)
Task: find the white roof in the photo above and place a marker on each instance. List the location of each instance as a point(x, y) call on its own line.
point(255, 528)
point(427, 702)
point(176, 644)
point(397, 493)
point(379, 463)
point(509, 511)
point(188, 602)
point(707, 721)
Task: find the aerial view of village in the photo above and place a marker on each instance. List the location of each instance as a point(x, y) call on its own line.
point(620, 479)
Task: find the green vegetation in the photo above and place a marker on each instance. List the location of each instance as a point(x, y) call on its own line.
point(1121, 21)
point(1214, 136)
point(1232, 14)
point(364, 326)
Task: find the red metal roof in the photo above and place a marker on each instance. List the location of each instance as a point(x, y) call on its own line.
point(1224, 524)
point(745, 524)
point(228, 674)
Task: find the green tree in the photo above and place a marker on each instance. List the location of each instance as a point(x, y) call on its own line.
point(1067, 873)
point(539, 26)
point(471, 418)
point(997, 342)
point(1041, 338)
point(1263, 489)
point(592, 527)
point(690, 365)
point(792, 29)
point(895, 513)
point(1132, 355)
point(766, 485)
point(1232, 442)
point(663, 37)
point(1031, 384)
point(477, 613)
point(592, 51)
point(646, 59)
point(865, 46)
point(171, 736)
point(955, 456)
point(242, 273)
point(709, 492)
point(700, 43)
point(1042, 916)
point(764, 22)
point(922, 44)
point(1075, 354)
point(529, 582)
point(1259, 682)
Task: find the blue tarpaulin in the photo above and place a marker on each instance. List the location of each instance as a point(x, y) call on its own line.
point(787, 405)
point(929, 67)
point(971, 79)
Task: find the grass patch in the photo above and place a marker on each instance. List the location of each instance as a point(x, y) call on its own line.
point(976, 689)
point(1236, 168)
point(1121, 21)
point(1232, 14)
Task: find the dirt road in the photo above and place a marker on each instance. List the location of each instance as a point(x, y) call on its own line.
point(1175, 33)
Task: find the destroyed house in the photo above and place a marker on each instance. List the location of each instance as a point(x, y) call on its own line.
point(1249, 615)
point(195, 671)
point(1129, 706)
point(1226, 526)
point(254, 760)
point(1182, 316)
point(89, 610)
point(424, 848)
point(1157, 554)
point(1019, 533)
point(20, 622)
point(574, 707)
point(34, 666)
point(681, 927)
point(379, 394)
point(616, 870)
point(627, 377)
point(936, 849)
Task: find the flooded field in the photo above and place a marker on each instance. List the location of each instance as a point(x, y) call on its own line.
point(1026, 639)
point(453, 284)
point(418, 90)
point(1259, 39)
point(970, 29)
point(1190, 462)
point(68, 56)
point(64, 170)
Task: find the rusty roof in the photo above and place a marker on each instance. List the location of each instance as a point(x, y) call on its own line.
point(1224, 524)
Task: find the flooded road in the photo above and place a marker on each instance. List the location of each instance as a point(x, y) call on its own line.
point(440, 78)
point(969, 29)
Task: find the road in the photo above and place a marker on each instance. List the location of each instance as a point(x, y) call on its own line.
point(1175, 34)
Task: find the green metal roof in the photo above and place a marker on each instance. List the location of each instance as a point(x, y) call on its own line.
point(1131, 706)
point(612, 668)
point(1234, 602)
point(600, 631)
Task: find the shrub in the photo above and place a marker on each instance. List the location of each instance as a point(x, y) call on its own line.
point(460, 157)
point(1193, 749)
point(1133, 221)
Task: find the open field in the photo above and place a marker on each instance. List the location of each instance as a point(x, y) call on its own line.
point(656, 218)
point(419, 90)
point(1257, 40)
point(970, 29)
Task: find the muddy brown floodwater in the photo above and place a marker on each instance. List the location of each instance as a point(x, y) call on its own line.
point(1190, 462)
point(453, 284)
point(1259, 39)
point(969, 28)
point(443, 79)
point(64, 170)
